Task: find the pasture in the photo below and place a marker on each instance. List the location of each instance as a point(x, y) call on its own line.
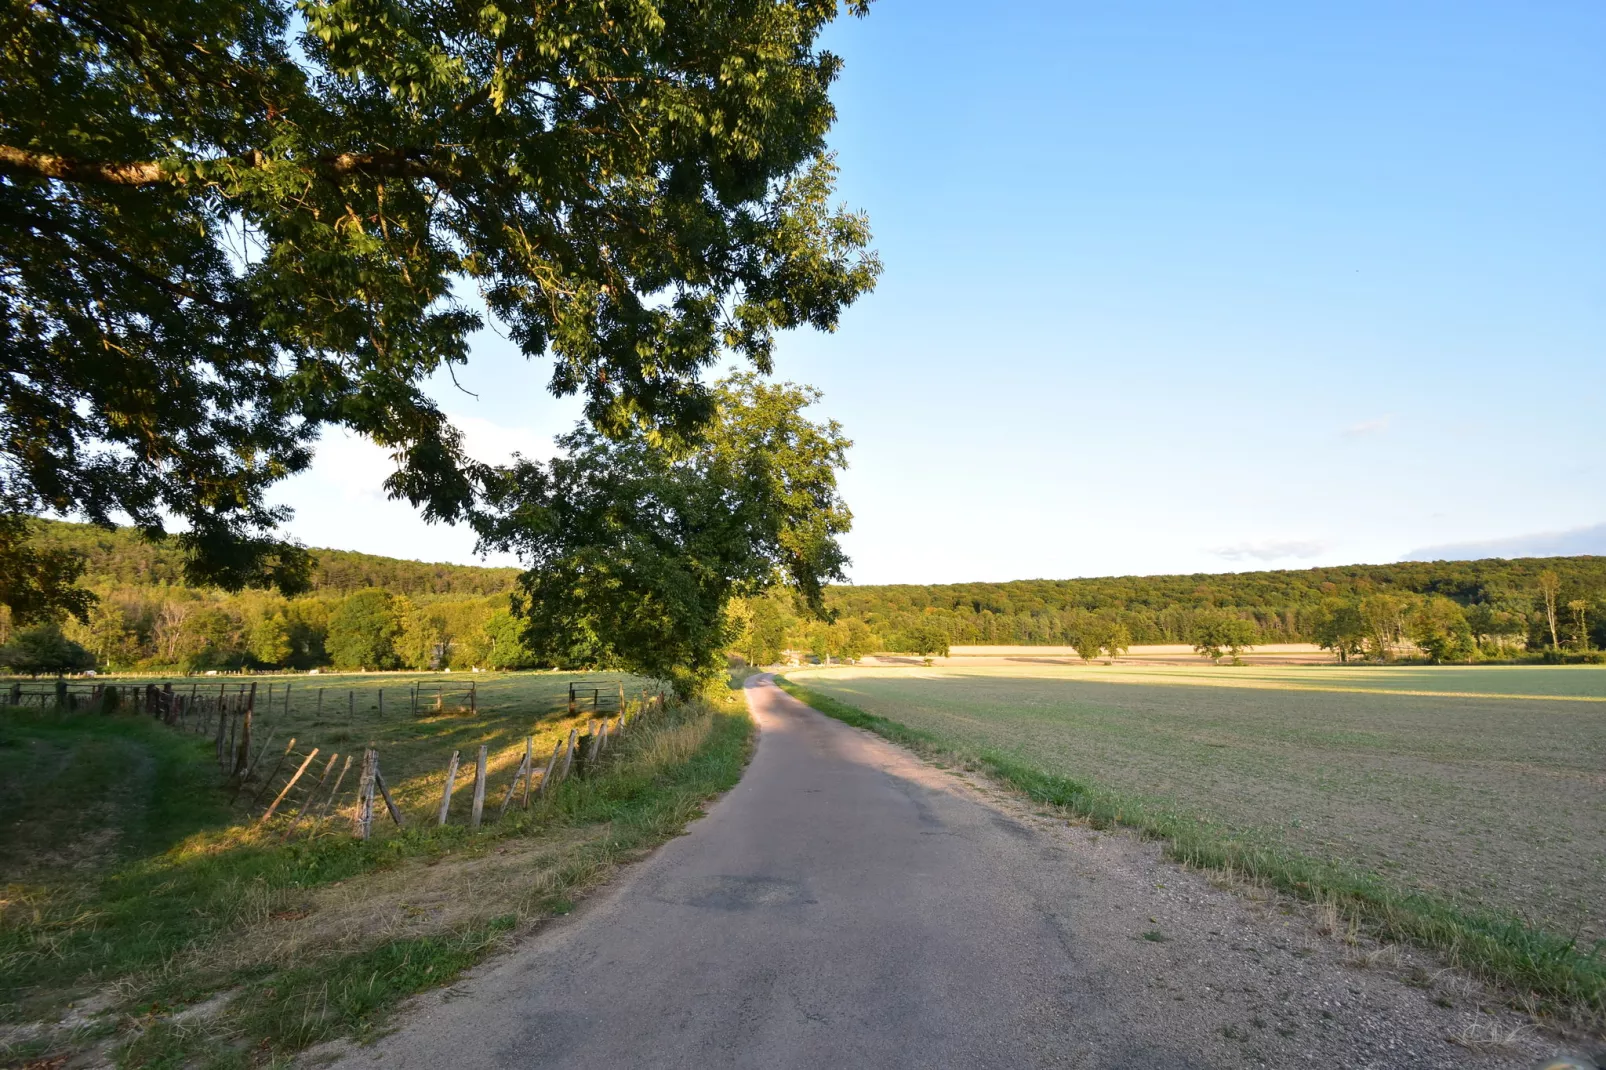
point(1483, 787)
point(136, 884)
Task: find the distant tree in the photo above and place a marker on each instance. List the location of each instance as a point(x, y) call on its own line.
point(1384, 617)
point(363, 631)
point(636, 547)
point(43, 649)
point(1550, 591)
point(761, 624)
point(38, 582)
point(210, 638)
point(1339, 628)
point(1216, 633)
point(1579, 609)
point(107, 636)
point(420, 638)
point(854, 638)
point(270, 641)
point(927, 639)
point(504, 642)
point(1087, 637)
point(1439, 627)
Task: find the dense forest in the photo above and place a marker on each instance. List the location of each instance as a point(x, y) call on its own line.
point(1501, 600)
point(365, 611)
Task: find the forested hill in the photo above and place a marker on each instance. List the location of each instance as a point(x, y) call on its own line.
point(121, 558)
point(143, 584)
point(1284, 604)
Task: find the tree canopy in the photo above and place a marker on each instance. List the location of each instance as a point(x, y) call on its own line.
point(225, 224)
point(636, 549)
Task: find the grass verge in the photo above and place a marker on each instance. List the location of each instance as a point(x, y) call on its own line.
point(225, 946)
point(1544, 972)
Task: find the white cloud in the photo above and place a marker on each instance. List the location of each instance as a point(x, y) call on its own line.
point(1297, 549)
point(1590, 540)
point(1368, 427)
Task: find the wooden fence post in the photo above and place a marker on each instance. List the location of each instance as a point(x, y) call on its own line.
point(479, 790)
point(596, 741)
point(335, 791)
point(446, 793)
point(363, 820)
point(473, 699)
point(286, 701)
point(568, 754)
point(551, 765)
point(320, 702)
point(381, 702)
point(242, 756)
point(390, 804)
point(221, 729)
point(521, 773)
point(292, 783)
point(288, 747)
point(571, 698)
point(312, 793)
point(351, 704)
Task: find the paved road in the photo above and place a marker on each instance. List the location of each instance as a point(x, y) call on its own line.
point(846, 905)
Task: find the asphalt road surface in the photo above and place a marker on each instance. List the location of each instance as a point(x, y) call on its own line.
point(847, 905)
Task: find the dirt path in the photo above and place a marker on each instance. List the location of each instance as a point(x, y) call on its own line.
point(849, 905)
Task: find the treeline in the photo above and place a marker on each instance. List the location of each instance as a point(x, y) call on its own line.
point(377, 612)
point(363, 612)
point(1501, 602)
point(121, 558)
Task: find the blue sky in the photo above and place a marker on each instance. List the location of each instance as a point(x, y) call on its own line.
point(1171, 288)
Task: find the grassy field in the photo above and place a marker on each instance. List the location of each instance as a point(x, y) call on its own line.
point(145, 918)
point(1462, 793)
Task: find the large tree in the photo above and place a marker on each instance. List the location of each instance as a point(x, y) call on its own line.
point(227, 223)
point(636, 548)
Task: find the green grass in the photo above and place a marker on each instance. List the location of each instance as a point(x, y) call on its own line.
point(1231, 778)
point(163, 897)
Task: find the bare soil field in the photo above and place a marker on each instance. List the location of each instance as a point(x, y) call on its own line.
point(1485, 787)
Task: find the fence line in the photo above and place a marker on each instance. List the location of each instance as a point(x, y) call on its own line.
point(226, 713)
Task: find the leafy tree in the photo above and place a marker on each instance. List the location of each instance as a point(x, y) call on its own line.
point(1216, 634)
point(1549, 593)
point(1579, 609)
point(270, 641)
point(363, 631)
point(637, 548)
point(36, 582)
point(1339, 628)
point(926, 639)
point(420, 638)
point(1439, 628)
point(1384, 617)
point(761, 624)
point(230, 222)
point(854, 639)
point(43, 649)
point(1087, 636)
point(107, 635)
point(504, 642)
point(210, 638)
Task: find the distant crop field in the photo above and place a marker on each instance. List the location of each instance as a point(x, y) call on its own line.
point(1485, 786)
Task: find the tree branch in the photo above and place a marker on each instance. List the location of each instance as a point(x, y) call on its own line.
point(393, 164)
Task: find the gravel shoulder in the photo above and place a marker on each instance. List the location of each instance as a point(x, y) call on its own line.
point(849, 904)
